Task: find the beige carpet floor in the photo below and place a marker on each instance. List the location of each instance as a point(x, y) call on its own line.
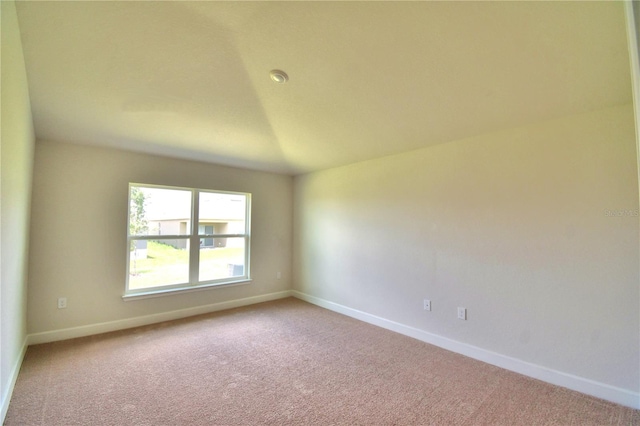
point(282, 363)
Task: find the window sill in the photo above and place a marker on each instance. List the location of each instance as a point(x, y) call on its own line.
point(166, 292)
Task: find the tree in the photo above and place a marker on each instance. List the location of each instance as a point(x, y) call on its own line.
point(138, 224)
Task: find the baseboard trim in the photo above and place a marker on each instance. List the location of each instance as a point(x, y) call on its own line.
point(8, 391)
point(105, 327)
point(579, 384)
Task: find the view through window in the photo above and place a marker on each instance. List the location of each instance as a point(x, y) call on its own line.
point(185, 237)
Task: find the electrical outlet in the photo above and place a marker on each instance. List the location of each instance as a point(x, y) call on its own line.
point(462, 313)
point(62, 302)
point(279, 275)
point(427, 304)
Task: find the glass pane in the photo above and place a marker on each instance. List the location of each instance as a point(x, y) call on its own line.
point(221, 213)
point(223, 259)
point(156, 263)
point(158, 211)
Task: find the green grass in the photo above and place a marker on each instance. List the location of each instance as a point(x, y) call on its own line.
point(166, 265)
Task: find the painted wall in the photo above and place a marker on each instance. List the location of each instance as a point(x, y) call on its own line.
point(534, 230)
point(17, 165)
point(79, 228)
point(636, 20)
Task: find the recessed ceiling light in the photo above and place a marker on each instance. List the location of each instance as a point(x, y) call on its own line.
point(279, 76)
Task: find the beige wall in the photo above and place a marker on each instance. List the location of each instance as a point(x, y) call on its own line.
point(533, 230)
point(79, 233)
point(17, 164)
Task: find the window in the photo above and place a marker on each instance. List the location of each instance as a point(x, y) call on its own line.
point(183, 238)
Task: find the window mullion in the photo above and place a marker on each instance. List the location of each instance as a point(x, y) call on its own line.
point(194, 240)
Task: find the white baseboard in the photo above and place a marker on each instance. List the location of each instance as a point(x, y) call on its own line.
point(13, 377)
point(105, 327)
point(579, 384)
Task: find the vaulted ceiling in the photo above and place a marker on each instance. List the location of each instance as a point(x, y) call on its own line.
point(367, 79)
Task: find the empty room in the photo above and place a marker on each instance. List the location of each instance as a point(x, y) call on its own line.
point(316, 213)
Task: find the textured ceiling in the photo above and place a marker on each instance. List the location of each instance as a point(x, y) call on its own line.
point(367, 79)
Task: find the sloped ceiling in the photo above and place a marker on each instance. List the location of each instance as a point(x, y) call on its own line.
point(367, 79)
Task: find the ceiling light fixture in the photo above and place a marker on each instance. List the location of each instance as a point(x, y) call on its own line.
point(279, 76)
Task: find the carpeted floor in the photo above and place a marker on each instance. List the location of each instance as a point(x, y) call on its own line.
point(282, 363)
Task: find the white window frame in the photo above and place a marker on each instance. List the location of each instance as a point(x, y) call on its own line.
point(194, 246)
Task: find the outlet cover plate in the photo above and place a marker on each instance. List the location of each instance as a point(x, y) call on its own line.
point(427, 304)
point(462, 313)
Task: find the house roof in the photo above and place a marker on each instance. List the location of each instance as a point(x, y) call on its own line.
point(367, 79)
